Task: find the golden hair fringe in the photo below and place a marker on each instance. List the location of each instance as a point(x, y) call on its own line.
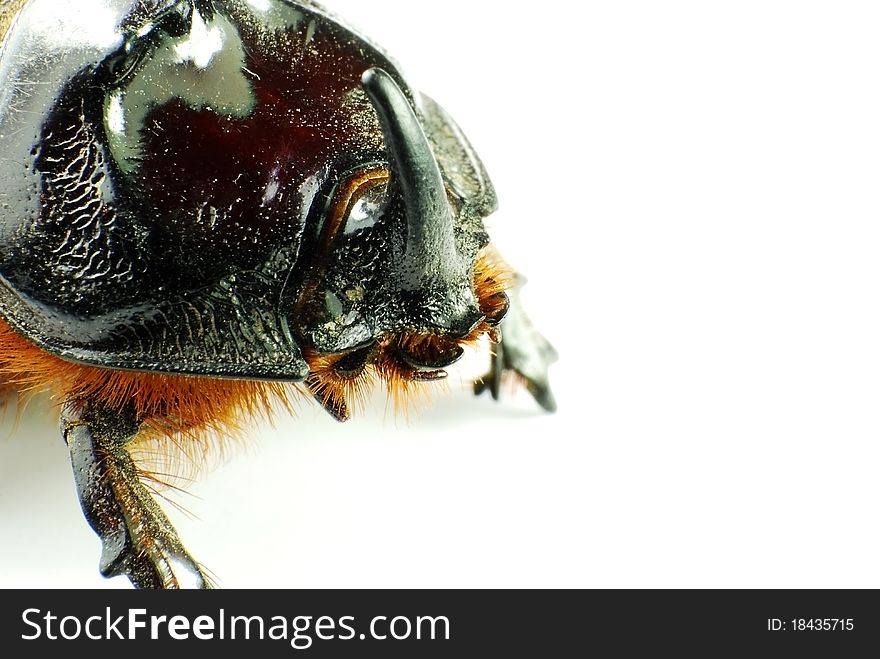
point(189, 416)
point(185, 413)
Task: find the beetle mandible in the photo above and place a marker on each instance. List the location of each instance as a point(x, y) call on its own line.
point(208, 205)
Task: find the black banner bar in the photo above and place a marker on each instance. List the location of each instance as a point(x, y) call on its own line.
point(440, 623)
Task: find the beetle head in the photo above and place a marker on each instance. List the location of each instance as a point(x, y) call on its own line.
point(404, 285)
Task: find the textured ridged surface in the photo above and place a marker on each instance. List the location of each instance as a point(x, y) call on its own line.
point(165, 205)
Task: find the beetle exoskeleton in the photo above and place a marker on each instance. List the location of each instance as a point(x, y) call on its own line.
point(204, 200)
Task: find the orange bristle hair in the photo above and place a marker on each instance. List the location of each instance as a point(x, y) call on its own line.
point(193, 412)
point(180, 409)
point(492, 277)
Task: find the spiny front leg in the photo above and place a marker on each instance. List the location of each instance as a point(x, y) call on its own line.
point(522, 350)
point(138, 539)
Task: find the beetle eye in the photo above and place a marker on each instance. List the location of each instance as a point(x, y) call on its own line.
point(368, 208)
point(358, 203)
point(367, 204)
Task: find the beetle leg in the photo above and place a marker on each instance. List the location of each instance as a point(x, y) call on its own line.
point(520, 349)
point(138, 539)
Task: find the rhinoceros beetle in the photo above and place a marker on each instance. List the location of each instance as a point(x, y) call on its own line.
point(210, 205)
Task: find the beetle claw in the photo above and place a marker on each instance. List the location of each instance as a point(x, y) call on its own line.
point(138, 540)
point(521, 350)
point(543, 395)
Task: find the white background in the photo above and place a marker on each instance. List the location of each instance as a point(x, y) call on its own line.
point(692, 189)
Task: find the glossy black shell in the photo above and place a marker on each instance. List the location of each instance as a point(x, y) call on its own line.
point(168, 167)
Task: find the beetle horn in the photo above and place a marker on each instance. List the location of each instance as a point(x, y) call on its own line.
point(430, 245)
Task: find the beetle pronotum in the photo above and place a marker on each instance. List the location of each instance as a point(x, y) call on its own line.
point(210, 206)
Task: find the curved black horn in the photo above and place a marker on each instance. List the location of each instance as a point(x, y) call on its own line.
point(430, 239)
